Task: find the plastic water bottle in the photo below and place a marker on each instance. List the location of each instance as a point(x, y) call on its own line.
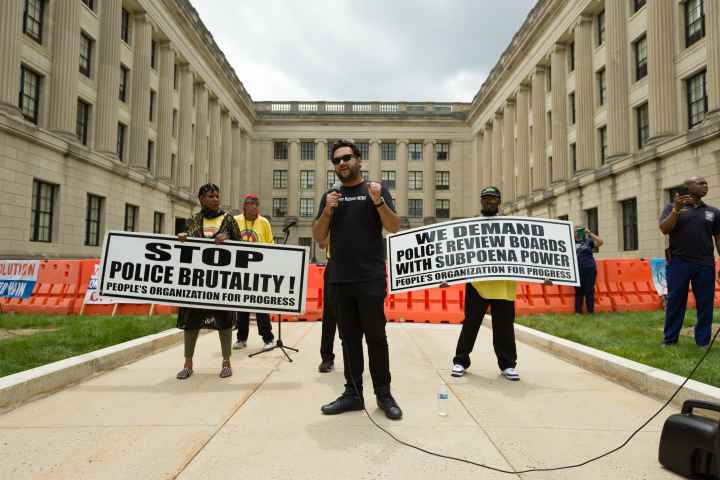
point(442, 400)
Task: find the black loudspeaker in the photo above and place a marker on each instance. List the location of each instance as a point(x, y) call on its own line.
point(689, 444)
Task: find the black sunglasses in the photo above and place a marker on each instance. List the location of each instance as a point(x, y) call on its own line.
point(344, 158)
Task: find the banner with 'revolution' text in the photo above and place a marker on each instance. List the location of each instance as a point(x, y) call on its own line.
point(483, 248)
point(198, 273)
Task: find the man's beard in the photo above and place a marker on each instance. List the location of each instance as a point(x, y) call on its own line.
point(489, 213)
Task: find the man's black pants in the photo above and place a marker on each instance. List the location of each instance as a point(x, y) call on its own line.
point(361, 311)
point(503, 320)
point(263, 324)
point(329, 323)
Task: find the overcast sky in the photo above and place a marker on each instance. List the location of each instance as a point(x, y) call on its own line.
point(390, 50)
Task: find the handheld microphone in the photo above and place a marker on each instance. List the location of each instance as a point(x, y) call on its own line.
point(336, 187)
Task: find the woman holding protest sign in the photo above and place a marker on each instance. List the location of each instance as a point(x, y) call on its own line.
point(585, 243)
point(211, 222)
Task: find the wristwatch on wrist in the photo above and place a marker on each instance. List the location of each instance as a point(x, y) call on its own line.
point(380, 203)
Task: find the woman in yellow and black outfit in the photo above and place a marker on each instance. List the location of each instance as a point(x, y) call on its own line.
point(210, 222)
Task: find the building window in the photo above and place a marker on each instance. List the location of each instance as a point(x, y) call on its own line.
point(571, 57)
point(86, 47)
point(280, 179)
point(174, 122)
point(694, 21)
point(602, 86)
point(122, 128)
point(600, 25)
point(280, 151)
point(279, 207)
point(564, 218)
point(415, 180)
point(306, 207)
point(415, 208)
point(153, 98)
point(175, 76)
point(82, 121)
point(643, 125)
point(305, 241)
point(158, 222)
point(697, 100)
point(637, 5)
point(364, 150)
point(33, 19)
point(307, 151)
point(387, 151)
point(329, 150)
point(150, 155)
point(442, 151)
point(442, 208)
point(43, 209)
point(93, 219)
point(415, 151)
point(153, 54)
point(571, 107)
point(442, 180)
point(573, 157)
point(307, 179)
point(331, 178)
point(125, 26)
point(365, 175)
point(123, 82)
point(90, 4)
point(173, 167)
point(602, 140)
point(388, 178)
point(131, 217)
point(29, 94)
point(591, 220)
point(640, 48)
point(630, 224)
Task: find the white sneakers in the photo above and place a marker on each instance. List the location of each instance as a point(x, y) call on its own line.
point(239, 345)
point(268, 345)
point(509, 373)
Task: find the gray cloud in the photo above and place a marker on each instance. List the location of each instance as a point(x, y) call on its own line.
point(439, 50)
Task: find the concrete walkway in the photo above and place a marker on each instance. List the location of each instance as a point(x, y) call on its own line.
point(138, 422)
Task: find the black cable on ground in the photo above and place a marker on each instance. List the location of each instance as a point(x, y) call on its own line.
point(531, 470)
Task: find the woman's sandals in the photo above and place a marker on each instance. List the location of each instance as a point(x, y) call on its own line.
point(226, 371)
point(184, 374)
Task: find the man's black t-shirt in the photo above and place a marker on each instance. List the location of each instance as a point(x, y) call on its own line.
point(692, 238)
point(356, 230)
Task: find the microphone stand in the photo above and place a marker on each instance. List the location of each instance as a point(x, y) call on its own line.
point(279, 343)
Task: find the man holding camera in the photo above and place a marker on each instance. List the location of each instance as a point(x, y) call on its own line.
point(692, 226)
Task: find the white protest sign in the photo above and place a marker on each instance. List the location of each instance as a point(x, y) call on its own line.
point(198, 273)
point(483, 248)
point(93, 297)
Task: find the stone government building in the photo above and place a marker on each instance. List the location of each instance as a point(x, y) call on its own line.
point(113, 112)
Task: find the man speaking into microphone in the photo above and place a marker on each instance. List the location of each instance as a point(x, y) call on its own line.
point(355, 217)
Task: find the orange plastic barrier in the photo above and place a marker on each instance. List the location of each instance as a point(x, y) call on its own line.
point(55, 292)
point(630, 284)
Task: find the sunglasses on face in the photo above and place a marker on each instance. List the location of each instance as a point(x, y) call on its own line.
point(344, 158)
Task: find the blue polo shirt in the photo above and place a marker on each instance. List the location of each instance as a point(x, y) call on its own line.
point(692, 238)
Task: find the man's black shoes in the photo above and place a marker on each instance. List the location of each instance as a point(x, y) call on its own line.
point(326, 366)
point(387, 404)
point(344, 403)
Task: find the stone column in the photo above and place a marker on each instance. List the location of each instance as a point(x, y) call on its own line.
point(486, 160)
point(497, 151)
point(560, 167)
point(539, 138)
point(584, 99)
point(618, 120)
point(201, 136)
point(215, 139)
point(11, 17)
point(522, 146)
point(321, 167)
point(293, 176)
point(401, 179)
point(661, 68)
point(166, 60)
point(236, 187)
point(64, 78)
point(185, 140)
point(429, 178)
point(226, 160)
point(374, 163)
point(140, 117)
point(475, 182)
point(108, 78)
point(712, 28)
point(508, 164)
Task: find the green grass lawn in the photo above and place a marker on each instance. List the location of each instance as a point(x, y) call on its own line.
point(636, 336)
point(67, 336)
